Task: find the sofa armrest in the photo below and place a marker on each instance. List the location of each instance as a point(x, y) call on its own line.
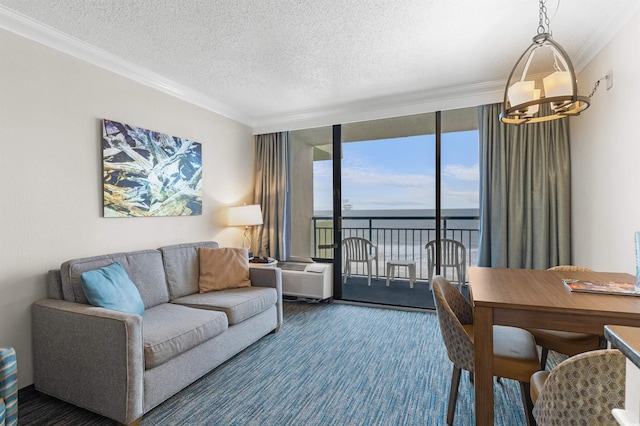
point(89, 356)
point(269, 277)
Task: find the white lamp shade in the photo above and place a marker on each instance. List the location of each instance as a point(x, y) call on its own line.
point(245, 215)
point(533, 109)
point(521, 92)
point(557, 84)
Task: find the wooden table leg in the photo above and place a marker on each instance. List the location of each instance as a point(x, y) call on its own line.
point(483, 347)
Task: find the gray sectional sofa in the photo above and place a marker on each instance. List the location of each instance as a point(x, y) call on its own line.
point(122, 365)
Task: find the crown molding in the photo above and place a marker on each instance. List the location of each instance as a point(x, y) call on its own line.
point(419, 102)
point(24, 26)
point(610, 26)
point(366, 109)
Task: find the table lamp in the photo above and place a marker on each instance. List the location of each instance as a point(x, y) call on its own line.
point(246, 216)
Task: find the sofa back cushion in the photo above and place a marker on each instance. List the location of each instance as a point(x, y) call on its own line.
point(182, 267)
point(143, 267)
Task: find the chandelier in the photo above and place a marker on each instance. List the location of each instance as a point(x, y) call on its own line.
point(542, 76)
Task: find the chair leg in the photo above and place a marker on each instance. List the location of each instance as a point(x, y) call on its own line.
point(453, 394)
point(458, 272)
point(430, 274)
point(388, 273)
point(543, 358)
point(525, 390)
point(377, 273)
point(369, 273)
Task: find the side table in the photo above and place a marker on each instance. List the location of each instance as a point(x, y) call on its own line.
point(272, 264)
point(409, 264)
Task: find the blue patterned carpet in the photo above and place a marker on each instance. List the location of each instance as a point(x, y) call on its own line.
point(330, 364)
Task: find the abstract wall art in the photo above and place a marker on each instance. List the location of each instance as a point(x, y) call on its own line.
point(147, 173)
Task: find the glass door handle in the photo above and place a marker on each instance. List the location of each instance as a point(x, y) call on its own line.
point(327, 246)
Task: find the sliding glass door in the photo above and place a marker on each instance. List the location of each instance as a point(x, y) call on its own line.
point(388, 186)
point(388, 176)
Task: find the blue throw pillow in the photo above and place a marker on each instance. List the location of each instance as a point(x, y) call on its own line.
point(111, 288)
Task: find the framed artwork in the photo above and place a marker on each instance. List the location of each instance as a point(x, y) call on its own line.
point(147, 173)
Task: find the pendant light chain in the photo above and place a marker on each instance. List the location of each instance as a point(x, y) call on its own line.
point(605, 78)
point(595, 87)
point(543, 19)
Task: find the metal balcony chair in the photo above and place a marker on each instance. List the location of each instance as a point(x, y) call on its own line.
point(515, 354)
point(359, 250)
point(582, 390)
point(453, 254)
point(564, 342)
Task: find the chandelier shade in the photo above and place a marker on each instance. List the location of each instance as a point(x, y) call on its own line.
point(544, 74)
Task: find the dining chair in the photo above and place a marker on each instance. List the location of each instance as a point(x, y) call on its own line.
point(582, 390)
point(453, 254)
point(359, 250)
point(514, 350)
point(565, 342)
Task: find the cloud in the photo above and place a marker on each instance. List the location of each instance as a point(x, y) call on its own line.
point(461, 200)
point(460, 172)
point(364, 177)
point(374, 187)
point(359, 172)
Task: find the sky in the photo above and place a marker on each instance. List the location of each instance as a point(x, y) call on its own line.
point(399, 173)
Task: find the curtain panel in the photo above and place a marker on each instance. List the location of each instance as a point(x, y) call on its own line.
point(272, 194)
point(525, 192)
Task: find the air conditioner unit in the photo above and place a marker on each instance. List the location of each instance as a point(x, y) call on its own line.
point(307, 280)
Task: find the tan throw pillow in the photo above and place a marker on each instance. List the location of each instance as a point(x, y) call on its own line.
point(222, 268)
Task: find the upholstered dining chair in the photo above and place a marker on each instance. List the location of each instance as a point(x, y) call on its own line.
point(564, 342)
point(8, 387)
point(359, 250)
point(582, 390)
point(514, 350)
point(453, 254)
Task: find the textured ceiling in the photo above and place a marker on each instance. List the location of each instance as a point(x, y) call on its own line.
point(284, 58)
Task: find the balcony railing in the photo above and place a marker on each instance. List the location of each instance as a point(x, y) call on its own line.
point(400, 237)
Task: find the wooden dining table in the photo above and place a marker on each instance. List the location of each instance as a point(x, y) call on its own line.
point(530, 298)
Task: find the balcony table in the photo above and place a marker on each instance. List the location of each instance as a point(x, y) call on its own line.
point(537, 299)
point(409, 264)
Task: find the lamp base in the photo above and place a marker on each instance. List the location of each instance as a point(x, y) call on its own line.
point(247, 241)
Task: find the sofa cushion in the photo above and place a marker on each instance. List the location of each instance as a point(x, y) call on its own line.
point(223, 268)
point(237, 303)
point(168, 330)
point(143, 267)
point(110, 287)
point(182, 267)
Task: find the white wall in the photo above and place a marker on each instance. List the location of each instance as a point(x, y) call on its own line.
point(50, 173)
point(605, 152)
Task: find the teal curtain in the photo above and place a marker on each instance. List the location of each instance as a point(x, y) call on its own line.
point(272, 194)
point(525, 192)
